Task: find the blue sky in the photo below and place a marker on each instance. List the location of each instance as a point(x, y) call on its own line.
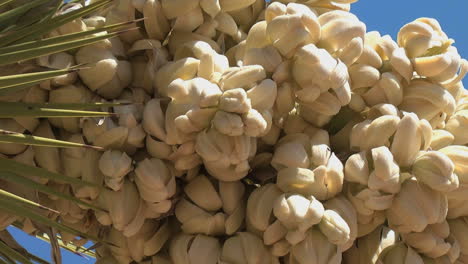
point(384, 16)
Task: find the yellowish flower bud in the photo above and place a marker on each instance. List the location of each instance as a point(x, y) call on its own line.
point(187, 249)
point(115, 165)
point(415, 207)
point(399, 253)
point(436, 170)
point(245, 247)
point(315, 248)
point(297, 213)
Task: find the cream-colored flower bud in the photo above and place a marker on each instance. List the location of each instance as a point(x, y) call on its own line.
point(89, 172)
point(399, 253)
point(285, 100)
point(383, 109)
point(95, 21)
point(462, 259)
point(297, 213)
point(188, 249)
point(155, 181)
point(228, 26)
point(363, 76)
point(13, 126)
point(369, 56)
point(147, 57)
point(247, 16)
point(428, 101)
point(191, 108)
point(385, 176)
point(263, 95)
point(441, 64)
point(126, 210)
point(457, 126)
point(228, 123)
point(109, 75)
point(436, 170)
point(119, 248)
point(208, 28)
point(172, 9)
point(268, 57)
point(58, 61)
point(296, 27)
point(260, 207)
point(257, 37)
point(370, 134)
point(115, 165)
point(106, 260)
point(153, 119)
point(124, 11)
point(105, 133)
point(307, 169)
point(351, 52)
point(235, 101)
point(432, 242)
point(195, 220)
point(458, 227)
point(27, 157)
point(315, 68)
point(228, 5)
point(225, 158)
point(211, 63)
point(232, 196)
point(345, 209)
point(409, 135)
point(148, 240)
point(315, 248)
point(47, 157)
point(241, 77)
point(334, 227)
point(368, 248)
point(189, 21)
point(415, 207)
point(184, 157)
point(72, 158)
point(388, 89)
point(441, 138)
point(338, 29)
point(420, 35)
point(245, 248)
point(178, 38)
point(211, 7)
point(457, 198)
point(401, 64)
point(202, 192)
point(255, 124)
point(69, 94)
point(185, 69)
point(321, 111)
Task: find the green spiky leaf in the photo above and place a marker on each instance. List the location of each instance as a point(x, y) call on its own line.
point(23, 169)
point(13, 110)
point(14, 83)
point(36, 30)
point(14, 178)
point(13, 208)
point(26, 54)
point(18, 138)
point(13, 254)
point(24, 202)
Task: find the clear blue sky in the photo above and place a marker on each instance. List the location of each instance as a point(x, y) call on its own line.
point(384, 16)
